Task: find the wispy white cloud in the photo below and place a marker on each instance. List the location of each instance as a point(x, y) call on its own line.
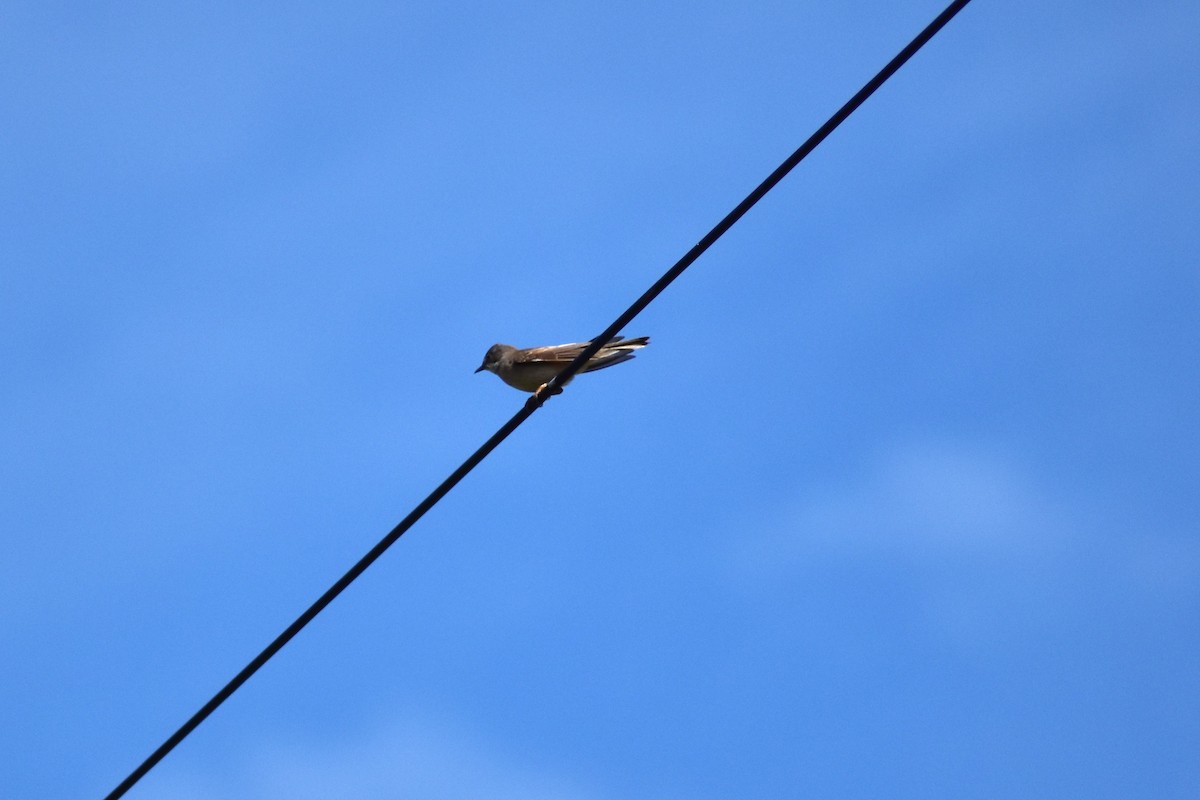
point(412, 759)
point(923, 501)
point(985, 547)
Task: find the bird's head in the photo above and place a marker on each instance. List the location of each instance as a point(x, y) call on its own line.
point(491, 360)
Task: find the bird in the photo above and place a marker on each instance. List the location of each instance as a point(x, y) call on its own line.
point(531, 369)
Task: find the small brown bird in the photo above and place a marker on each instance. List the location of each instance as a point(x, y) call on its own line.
point(529, 370)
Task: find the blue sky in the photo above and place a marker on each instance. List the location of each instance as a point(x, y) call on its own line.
point(900, 502)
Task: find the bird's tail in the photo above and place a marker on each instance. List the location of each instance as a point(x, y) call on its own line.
point(617, 351)
point(620, 343)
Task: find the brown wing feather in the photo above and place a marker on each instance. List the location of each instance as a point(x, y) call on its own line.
point(554, 354)
point(616, 351)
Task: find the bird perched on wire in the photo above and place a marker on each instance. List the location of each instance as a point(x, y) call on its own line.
point(529, 370)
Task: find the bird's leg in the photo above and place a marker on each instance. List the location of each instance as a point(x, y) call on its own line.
point(541, 393)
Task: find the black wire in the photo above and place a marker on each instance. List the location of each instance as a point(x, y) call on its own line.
point(767, 185)
point(536, 401)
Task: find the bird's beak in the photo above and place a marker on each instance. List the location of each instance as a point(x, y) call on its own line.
point(481, 368)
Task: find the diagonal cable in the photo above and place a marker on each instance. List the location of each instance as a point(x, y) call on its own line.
point(536, 401)
point(759, 192)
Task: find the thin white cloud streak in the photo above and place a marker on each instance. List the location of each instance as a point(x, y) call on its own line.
point(923, 501)
point(985, 549)
point(414, 760)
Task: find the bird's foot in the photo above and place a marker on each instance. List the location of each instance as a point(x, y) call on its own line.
point(542, 392)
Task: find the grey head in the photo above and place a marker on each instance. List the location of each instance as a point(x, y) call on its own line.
point(495, 354)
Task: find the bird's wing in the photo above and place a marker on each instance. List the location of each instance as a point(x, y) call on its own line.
point(566, 353)
point(555, 353)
